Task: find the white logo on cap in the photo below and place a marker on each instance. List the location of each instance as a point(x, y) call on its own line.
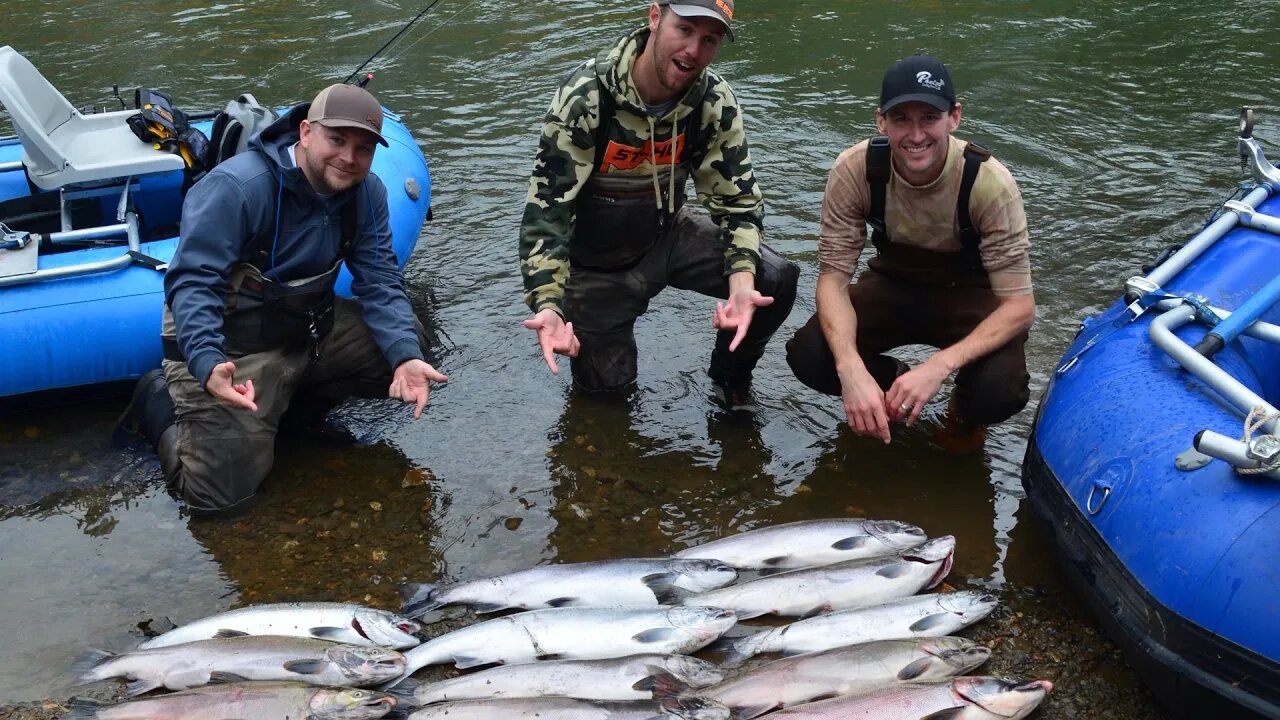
point(925, 78)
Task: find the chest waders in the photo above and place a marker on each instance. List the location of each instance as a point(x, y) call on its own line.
point(919, 265)
point(261, 314)
point(619, 218)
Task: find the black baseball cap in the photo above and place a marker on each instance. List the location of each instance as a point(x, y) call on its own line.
point(919, 78)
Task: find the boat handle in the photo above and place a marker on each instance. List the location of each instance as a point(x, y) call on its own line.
point(1106, 493)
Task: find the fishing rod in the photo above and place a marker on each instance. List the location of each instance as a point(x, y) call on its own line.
point(388, 44)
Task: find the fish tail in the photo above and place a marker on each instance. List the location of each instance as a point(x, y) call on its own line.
point(742, 649)
point(405, 692)
point(419, 598)
point(84, 667)
point(414, 660)
point(83, 709)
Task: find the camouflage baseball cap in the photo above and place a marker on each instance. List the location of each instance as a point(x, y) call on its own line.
point(348, 106)
point(721, 10)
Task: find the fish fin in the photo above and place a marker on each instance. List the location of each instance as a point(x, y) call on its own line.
point(927, 623)
point(894, 570)
point(306, 667)
point(775, 561)
point(83, 666)
point(746, 712)
point(419, 598)
point(653, 635)
point(563, 601)
point(488, 607)
point(948, 714)
point(766, 572)
point(914, 670)
point(84, 709)
point(553, 656)
point(661, 683)
point(663, 585)
point(466, 661)
point(220, 677)
point(228, 633)
point(137, 687)
point(853, 542)
point(823, 696)
point(324, 632)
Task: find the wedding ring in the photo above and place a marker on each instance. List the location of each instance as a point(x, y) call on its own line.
point(905, 407)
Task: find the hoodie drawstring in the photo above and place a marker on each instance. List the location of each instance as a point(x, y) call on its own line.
point(653, 162)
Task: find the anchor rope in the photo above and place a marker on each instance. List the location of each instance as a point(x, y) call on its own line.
point(1256, 418)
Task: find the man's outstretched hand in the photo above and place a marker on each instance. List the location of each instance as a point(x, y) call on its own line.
point(412, 383)
point(555, 336)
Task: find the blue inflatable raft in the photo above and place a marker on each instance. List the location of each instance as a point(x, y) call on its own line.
point(1155, 466)
point(88, 217)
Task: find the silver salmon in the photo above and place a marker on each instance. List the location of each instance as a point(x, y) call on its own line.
point(635, 677)
point(842, 586)
point(572, 709)
point(259, 701)
point(854, 670)
point(574, 633)
point(337, 622)
point(637, 581)
point(919, 616)
point(253, 657)
point(808, 543)
point(964, 698)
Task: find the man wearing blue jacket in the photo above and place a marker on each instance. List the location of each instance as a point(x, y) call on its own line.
point(250, 312)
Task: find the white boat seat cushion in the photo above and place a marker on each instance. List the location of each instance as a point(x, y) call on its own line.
point(64, 147)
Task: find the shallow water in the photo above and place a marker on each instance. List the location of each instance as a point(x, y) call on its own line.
point(1118, 120)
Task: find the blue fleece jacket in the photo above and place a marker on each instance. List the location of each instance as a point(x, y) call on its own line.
point(236, 202)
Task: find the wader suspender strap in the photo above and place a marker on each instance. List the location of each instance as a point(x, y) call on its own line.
point(878, 161)
point(878, 185)
point(970, 238)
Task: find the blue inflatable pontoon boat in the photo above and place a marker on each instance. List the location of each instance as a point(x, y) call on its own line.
point(88, 212)
point(1155, 465)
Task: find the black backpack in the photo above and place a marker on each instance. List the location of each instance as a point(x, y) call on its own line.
point(240, 120)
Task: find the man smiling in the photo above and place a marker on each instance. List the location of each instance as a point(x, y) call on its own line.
point(250, 313)
point(952, 270)
point(605, 228)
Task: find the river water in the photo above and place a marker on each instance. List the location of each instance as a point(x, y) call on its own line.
point(1117, 119)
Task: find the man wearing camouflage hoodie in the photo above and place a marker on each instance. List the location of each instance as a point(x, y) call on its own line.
point(605, 228)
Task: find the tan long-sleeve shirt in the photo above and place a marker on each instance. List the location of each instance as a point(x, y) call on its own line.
point(925, 217)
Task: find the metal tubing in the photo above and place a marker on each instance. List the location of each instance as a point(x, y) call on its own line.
point(1161, 331)
point(1250, 218)
point(1261, 330)
point(1204, 239)
point(70, 236)
point(11, 166)
point(119, 263)
point(1257, 304)
point(1229, 449)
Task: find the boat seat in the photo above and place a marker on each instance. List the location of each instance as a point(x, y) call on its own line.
point(63, 147)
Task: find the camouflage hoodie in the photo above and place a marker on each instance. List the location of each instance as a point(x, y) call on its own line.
point(723, 176)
